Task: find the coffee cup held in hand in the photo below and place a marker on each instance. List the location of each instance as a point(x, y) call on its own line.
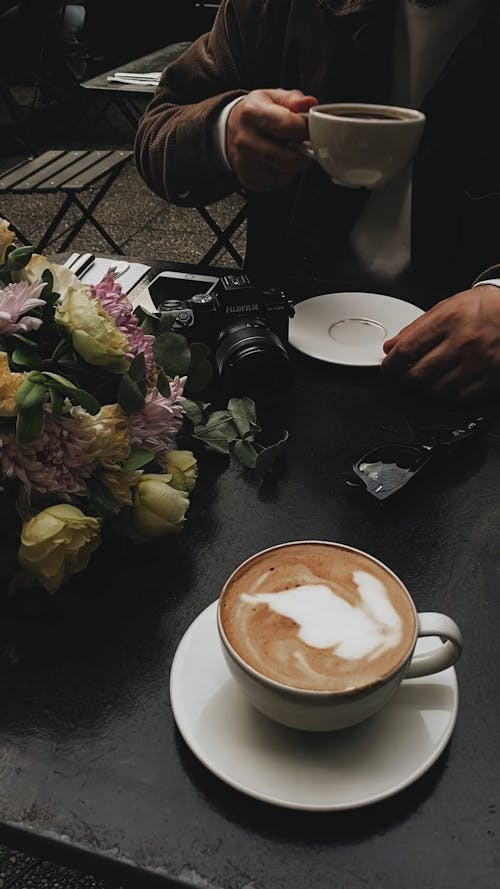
point(319, 636)
point(361, 145)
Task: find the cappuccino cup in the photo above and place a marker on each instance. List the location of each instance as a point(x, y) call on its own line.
point(319, 635)
point(362, 145)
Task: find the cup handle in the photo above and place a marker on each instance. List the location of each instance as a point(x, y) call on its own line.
point(304, 148)
point(433, 624)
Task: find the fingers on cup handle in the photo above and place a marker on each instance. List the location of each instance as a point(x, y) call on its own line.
point(304, 148)
point(444, 655)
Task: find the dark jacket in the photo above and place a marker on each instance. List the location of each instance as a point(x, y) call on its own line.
point(303, 44)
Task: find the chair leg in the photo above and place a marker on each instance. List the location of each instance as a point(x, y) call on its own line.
point(18, 233)
point(223, 236)
point(88, 211)
point(88, 217)
point(61, 213)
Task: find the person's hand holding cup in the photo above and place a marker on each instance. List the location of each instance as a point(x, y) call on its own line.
point(271, 135)
point(319, 636)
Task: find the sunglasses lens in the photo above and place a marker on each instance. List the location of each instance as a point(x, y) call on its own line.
point(386, 469)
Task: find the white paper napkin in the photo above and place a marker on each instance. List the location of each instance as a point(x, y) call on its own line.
point(151, 78)
point(128, 280)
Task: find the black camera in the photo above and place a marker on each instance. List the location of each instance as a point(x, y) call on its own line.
point(245, 326)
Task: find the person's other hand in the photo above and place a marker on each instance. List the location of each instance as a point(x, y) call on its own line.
point(453, 350)
point(261, 130)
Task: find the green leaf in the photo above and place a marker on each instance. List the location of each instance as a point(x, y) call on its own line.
point(48, 277)
point(8, 250)
point(148, 322)
point(163, 384)
point(35, 376)
point(30, 395)
point(200, 369)
point(19, 257)
point(217, 433)
point(66, 384)
point(172, 353)
point(85, 400)
point(26, 357)
point(137, 459)
point(268, 456)
point(244, 415)
point(194, 410)
point(56, 400)
point(51, 299)
point(130, 397)
point(137, 372)
point(165, 322)
point(61, 350)
point(24, 339)
point(29, 424)
point(245, 453)
point(100, 498)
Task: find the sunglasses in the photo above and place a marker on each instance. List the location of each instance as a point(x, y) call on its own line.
point(387, 469)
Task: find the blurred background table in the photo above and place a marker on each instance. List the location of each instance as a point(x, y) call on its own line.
point(128, 97)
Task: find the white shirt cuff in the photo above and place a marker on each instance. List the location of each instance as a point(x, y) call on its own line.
point(220, 133)
point(494, 281)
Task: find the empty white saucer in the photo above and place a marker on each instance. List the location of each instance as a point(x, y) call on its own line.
point(349, 327)
point(300, 770)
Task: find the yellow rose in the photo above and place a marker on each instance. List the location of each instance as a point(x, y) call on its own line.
point(93, 332)
point(9, 384)
point(57, 542)
point(183, 468)
point(64, 279)
point(158, 508)
point(106, 433)
point(6, 237)
point(120, 485)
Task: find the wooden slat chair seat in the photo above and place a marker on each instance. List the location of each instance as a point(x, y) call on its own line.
point(68, 173)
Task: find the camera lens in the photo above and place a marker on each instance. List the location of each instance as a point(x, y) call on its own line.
point(251, 360)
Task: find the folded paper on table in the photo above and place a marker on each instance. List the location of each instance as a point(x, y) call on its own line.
point(128, 279)
point(151, 79)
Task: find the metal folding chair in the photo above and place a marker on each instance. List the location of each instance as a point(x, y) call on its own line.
point(67, 173)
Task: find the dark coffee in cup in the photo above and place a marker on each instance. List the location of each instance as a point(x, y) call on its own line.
point(372, 115)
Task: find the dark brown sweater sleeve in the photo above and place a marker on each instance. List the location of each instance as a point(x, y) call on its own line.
point(174, 148)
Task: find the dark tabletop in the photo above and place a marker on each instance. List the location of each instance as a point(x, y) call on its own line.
point(93, 771)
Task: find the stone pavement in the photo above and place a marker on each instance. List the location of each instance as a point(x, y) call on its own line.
point(142, 223)
point(18, 871)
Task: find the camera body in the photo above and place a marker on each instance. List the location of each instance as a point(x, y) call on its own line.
point(233, 297)
point(245, 326)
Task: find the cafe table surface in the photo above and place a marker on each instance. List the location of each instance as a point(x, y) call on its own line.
point(93, 771)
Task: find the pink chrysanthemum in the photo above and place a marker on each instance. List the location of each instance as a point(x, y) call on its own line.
point(155, 426)
point(56, 462)
point(15, 301)
point(109, 293)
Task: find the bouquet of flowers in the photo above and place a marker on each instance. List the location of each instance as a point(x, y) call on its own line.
point(91, 403)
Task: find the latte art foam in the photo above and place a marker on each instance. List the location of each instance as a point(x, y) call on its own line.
point(364, 629)
point(318, 617)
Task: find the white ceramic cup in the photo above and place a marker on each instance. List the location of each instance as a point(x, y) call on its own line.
point(362, 145)
point(313, 710)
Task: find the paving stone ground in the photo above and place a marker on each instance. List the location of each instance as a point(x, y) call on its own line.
point(18, 871)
